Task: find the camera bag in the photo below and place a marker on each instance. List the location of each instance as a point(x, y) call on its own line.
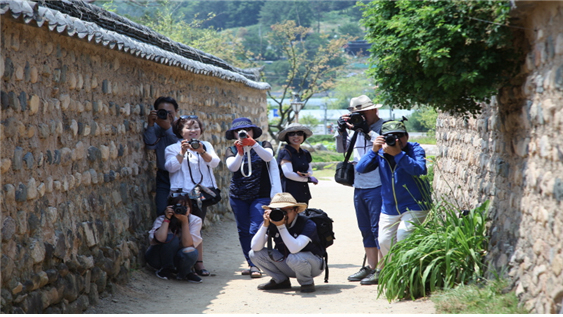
point(203, 195)
point(345, 170)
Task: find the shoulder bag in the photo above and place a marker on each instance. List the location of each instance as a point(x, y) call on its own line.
point(345, 170)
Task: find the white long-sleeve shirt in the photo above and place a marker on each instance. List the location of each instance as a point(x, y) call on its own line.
point(180, 172)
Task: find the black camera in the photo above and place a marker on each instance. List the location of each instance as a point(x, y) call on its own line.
point(195, 143)
point(242, 134)
point(391, 139)
point(180, 209)
point(277, 214)
point(162, 114)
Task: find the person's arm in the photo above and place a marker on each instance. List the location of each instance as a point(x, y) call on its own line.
point(209, 156)
point(294, 245)
point(163, 223)
point(413, 165)
point(368, 161)
point(234, 162)
point(195, 229)
point(150, 136)
point(288, 172)
point(259, 239)
point(266, 154)
point(186, 239)
point(173, 158)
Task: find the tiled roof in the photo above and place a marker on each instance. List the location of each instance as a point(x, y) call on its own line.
point(77, 18)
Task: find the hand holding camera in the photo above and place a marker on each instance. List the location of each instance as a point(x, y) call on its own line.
point(277, 215)
point(162, 117)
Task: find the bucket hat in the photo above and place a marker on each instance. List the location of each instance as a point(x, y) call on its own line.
point(283, 200)
point(293, 128)
point(242, 123)
point(393, 127)
point(362, 103)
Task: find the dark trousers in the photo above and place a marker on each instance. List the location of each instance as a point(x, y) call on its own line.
point(172, 256)
point(162, 191)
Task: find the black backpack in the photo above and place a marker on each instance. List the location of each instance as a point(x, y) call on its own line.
point(324, 231)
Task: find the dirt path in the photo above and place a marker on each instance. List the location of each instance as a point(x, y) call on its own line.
point(228, 292)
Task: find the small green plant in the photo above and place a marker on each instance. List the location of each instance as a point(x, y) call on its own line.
point(445, 251)
point(487, 297)
point(326, 156)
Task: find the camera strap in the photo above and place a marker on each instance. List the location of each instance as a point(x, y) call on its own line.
point(350, 146)
point(190, 170)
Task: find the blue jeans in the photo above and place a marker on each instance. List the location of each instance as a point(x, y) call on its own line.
point(172, 256)
point(368, 208)
point(162, 191)
point(249, 217)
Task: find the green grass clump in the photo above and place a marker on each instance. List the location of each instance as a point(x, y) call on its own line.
point(326, 156)
point(429, 139)
point(489, 298)
point(445, 251)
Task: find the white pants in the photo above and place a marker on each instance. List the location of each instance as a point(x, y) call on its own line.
point(396, 228)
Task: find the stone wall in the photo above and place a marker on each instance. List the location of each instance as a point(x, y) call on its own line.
point(77, 182)
point(512, 154)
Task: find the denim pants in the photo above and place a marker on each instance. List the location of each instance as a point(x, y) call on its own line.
point(172, 256)
point(249, 217)
point(162, 191)
point(302, 265)
point(368, 208)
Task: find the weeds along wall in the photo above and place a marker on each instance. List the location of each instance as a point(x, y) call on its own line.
point(512, 154)
point(77, 183)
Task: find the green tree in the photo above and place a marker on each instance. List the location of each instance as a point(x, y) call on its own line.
point(309, 120)
point(274, 12)
point(306, 75)
point(349, 87)
point(423, 120)
point(450, 55)
point(351, 29)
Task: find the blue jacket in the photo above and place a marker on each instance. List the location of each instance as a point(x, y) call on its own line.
point(402, 188)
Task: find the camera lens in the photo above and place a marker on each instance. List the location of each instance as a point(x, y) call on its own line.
point(242, 134)
point(390, 139)
point(162, 114)
point(180, 210)
point(194, 144)
point(277, 214)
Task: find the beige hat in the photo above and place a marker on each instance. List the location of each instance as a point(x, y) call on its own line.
point(294, 127)
point(362, 103)
point(283, 200)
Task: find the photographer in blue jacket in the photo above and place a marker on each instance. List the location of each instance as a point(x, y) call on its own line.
point(406, 196)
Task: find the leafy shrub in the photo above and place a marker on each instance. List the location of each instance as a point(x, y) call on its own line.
point(326, 156)
point(450, 55)
point(445, 251)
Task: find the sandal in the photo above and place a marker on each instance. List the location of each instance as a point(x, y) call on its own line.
point(245, 272)
point(255, 272)
point(202, 272)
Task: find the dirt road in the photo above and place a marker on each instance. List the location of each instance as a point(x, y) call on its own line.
point(228, 292)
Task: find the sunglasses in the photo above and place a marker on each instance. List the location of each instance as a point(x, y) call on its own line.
point(174, 195)
point(298, 133)
point(397, 135)
point(188, 117)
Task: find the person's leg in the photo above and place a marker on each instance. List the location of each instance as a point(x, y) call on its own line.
point(408, 218)
point(306, 266)
point(362, 206)
point(162, 191)
point(276, 268)
point(372, 201)
point(184, 260)
point(388, 225)
point(241, 210)
point(256, 214)
point(200, 268)
point(161, 257)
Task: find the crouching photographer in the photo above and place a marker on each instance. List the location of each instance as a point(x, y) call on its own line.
point(296, 253)
point(173, 241)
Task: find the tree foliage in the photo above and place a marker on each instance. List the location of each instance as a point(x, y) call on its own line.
point(450, 55)
point(308, 72)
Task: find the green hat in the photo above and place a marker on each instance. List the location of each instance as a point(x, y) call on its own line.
point(393, 127)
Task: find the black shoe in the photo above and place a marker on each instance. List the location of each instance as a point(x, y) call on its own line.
point(361, 274)
point(164, 273)
point(273, 285)
point(193, 278)
point(308, 288)
point(371, 279)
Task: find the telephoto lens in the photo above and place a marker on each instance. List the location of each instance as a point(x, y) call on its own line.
point(180, 209)
point(162, 114)
point(390, 139)
point(277, 214)
point(242, 134)
point(194, 143)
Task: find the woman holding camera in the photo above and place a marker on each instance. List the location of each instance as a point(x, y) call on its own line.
point(190, 163)
point(254, 181)
point(295, 162)
point(173, 241)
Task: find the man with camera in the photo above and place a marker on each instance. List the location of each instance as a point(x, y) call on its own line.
point(297, 251)
point(364, 121)
point(157, 137)
point(406, 196)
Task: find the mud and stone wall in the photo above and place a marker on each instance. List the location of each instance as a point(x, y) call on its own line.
point(77, 183)
point(512, 155)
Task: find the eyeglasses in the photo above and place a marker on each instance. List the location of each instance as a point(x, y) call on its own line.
point(298, 133)
point(188, 117)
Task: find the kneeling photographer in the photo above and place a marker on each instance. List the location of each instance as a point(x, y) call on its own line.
point(173, 241)
point(296, 253)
